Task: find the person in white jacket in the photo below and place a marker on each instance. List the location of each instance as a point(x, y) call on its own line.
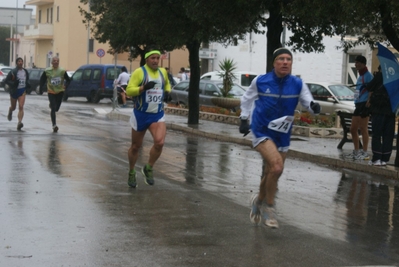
point(271, 100)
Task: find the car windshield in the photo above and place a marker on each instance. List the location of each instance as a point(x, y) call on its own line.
point(342, 92)
point(236, 90)
point(246, 79)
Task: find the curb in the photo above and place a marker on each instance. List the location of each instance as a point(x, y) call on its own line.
point(388, 172)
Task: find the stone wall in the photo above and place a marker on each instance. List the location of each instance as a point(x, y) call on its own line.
point(234, 120)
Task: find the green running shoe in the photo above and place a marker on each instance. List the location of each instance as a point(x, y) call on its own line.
point(147, 172)
point(132, 179)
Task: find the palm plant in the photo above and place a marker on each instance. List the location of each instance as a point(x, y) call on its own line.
point(227, 67)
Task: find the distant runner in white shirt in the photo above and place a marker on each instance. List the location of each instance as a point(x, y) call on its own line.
point(183, 76)
point(123, 80)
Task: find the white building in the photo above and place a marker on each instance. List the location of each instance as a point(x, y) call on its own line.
point(332, 65)
point(10, 17)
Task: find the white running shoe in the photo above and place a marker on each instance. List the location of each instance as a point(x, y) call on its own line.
point(375, 163)
point(269, 216)
point(364, 154)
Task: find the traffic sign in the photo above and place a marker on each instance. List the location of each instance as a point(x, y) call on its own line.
point(100, 52)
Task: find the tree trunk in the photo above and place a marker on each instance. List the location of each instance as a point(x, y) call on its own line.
point(193, 91)
point(274, 29)
point(387, 25)
point(397, 152)
point(142, 58)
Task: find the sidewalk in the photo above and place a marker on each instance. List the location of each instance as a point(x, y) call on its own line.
point(313, 149)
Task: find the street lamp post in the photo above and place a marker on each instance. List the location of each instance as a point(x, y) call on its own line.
point(11, 44)
point(16, 29)
point(16, 19)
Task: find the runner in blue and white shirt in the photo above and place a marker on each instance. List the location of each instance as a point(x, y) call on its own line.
point(269, 104)
point(18, 81)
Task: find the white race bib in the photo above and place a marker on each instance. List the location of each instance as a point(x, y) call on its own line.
point(282, 124)
point(154, 95)
point(55, 81)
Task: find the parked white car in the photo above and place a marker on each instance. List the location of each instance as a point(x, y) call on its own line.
point(243, 78)
point(4, 70)
point(332, 97)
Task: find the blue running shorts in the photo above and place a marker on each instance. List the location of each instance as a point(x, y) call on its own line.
point(281, 140)
point(18, 93)
point(140, 121)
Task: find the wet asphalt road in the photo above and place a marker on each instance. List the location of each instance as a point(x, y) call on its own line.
point(65, 201)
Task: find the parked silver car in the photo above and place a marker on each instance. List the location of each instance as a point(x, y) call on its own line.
point(208, 90)
point(332, 97)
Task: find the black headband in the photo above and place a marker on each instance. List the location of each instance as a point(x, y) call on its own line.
point(280, 51)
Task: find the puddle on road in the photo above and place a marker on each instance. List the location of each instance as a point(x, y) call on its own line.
point(361, 209)
point(370, 206)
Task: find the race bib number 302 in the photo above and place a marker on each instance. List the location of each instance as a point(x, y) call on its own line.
point(282, 124)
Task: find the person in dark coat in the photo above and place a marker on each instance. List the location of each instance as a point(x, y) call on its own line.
point(382, 121)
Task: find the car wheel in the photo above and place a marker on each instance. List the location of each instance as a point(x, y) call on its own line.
point(65, 97)
point(38, 91)
point(94, 97)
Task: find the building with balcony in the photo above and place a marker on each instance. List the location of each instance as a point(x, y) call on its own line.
point(59, 30)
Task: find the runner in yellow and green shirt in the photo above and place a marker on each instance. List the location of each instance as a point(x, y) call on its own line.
point(54, 78)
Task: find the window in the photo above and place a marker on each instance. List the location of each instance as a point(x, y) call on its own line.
point(51, 15)
point(48, 15)
point(342, 92)
point(91, 45)
point(96, 75)
point(246, 79)
point(236, 90)
point(34, 74)
point(111, 73)
point(58, 13)
point(86, 74)
point(40, 16)
point(182, 86)
point(77, 76)
point(211, 89)
point(319, 92)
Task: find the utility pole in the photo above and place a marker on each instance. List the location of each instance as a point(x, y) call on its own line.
point(16, 30)
point(88, 36)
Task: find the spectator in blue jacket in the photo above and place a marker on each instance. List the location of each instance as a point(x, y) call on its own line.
point(360, 118)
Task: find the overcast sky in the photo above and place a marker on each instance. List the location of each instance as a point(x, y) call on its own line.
point(13, 4)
